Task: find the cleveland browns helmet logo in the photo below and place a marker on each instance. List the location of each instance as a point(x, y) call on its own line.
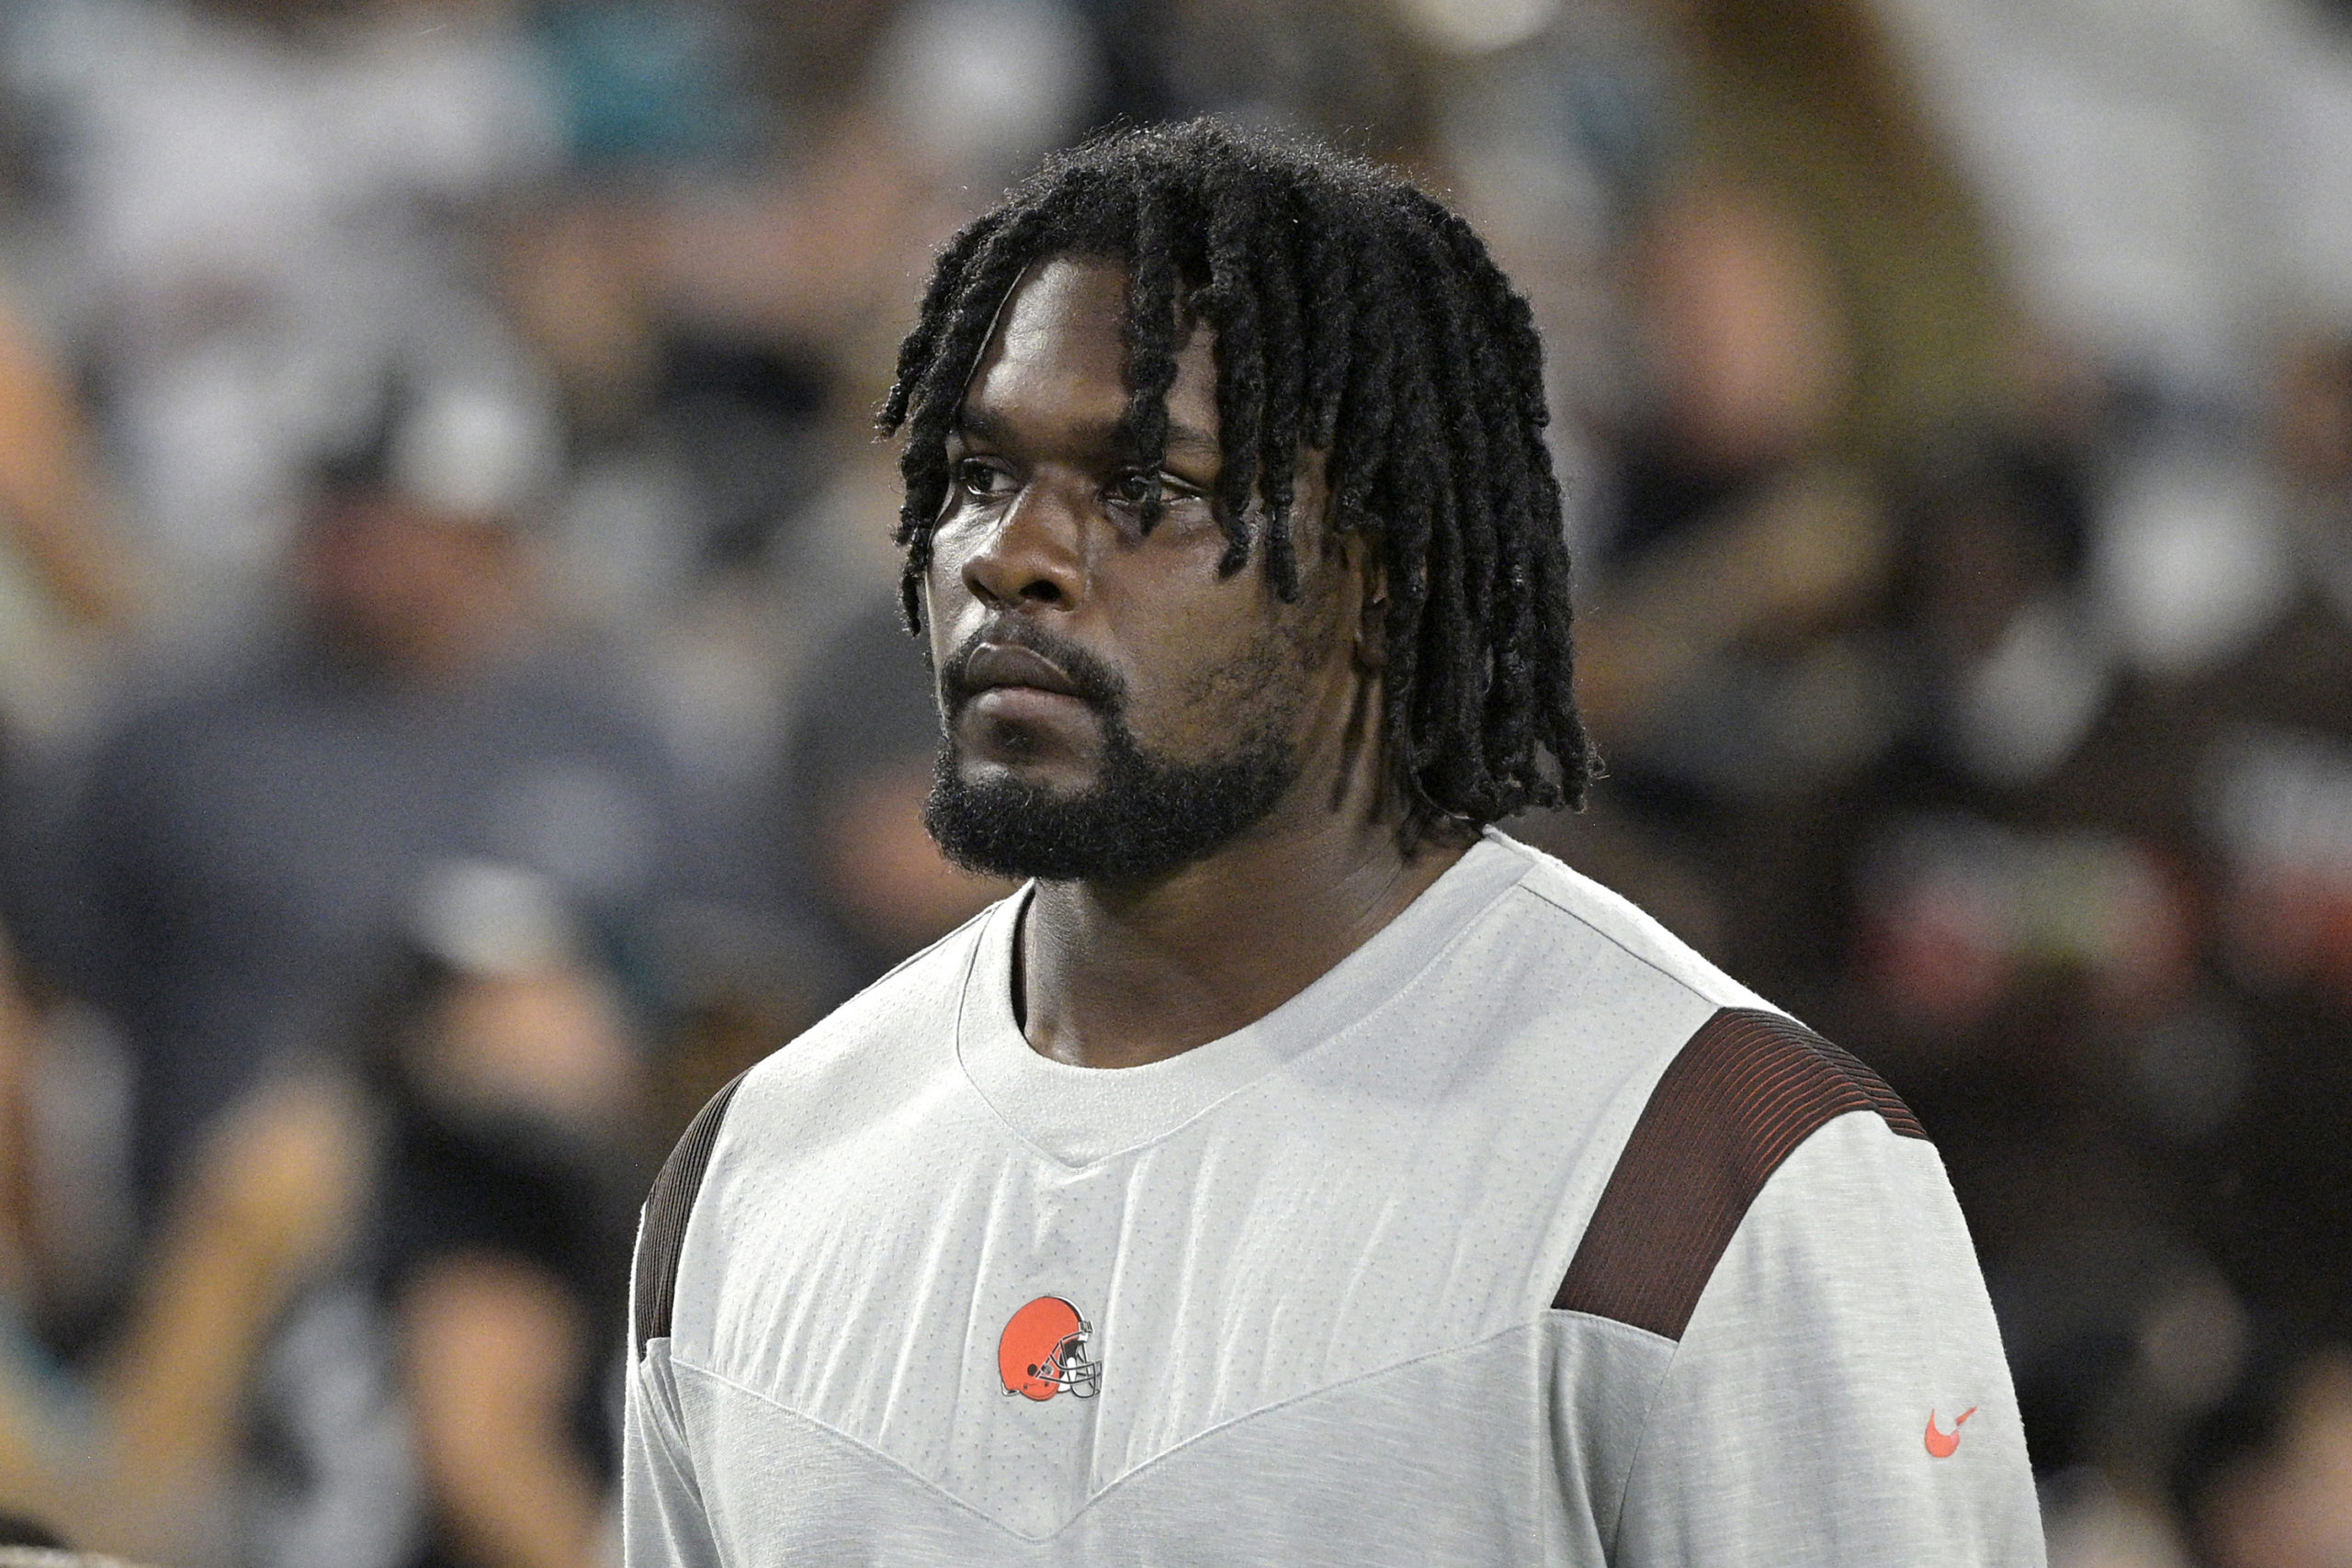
point(1044, 1351)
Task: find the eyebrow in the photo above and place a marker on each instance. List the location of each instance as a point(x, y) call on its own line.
point(980, 425)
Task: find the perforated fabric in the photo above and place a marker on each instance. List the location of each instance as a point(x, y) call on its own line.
point(1750, 1087)
point(1318, 1260)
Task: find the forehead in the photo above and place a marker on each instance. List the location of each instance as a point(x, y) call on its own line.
point(1055, 362)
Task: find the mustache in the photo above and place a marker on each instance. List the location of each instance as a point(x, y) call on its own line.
point(1095, 680)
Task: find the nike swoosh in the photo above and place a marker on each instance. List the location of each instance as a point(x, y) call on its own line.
point(1943, 1445)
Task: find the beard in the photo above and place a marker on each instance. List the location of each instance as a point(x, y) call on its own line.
point(1143, 817)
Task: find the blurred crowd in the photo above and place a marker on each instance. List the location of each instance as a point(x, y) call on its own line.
point(454, 717)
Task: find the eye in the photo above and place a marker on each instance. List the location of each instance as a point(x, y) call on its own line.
point(1131, 489)
point(980, 478)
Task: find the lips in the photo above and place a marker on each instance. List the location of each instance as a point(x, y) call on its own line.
point(994, 665)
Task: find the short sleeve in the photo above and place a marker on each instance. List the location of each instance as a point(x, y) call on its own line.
point(1838, 1394)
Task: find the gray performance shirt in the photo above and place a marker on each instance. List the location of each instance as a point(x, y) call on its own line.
point(1522, 1237)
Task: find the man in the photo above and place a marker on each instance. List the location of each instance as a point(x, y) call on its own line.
point(1297, 1171)
point(243, 847)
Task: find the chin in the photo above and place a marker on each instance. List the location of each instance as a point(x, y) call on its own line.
point(1131, 819)
point(1028, 777)
point(992, 752)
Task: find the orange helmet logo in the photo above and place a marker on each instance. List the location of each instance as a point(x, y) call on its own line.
point(1044, 1351)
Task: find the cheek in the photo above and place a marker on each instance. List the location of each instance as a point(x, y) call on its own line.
point(948, 603)
point(1239, 677)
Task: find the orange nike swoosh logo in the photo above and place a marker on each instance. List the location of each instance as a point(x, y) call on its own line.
point(1943, 1445)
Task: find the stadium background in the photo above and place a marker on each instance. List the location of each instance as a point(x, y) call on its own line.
point(453, 718)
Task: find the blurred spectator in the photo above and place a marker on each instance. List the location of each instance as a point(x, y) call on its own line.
point(242, 845)
point(257, 203)
point(1813, 103)
point(1728, 663)
point(2166, 191)
point(1808, 296)
point(442, 1396)
point(134, 1452)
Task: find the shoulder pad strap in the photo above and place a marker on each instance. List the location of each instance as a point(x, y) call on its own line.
point(1735, 1102)
point(662, 1235)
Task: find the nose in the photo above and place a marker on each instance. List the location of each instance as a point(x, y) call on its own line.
point(1034, 557)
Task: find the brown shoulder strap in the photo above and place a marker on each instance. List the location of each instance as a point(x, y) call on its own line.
point(663, 1237)
point(1738, 1099)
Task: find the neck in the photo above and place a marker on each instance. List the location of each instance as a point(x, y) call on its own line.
point(1121, 977)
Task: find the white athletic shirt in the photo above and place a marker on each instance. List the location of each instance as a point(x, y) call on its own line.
point(1521, 1236)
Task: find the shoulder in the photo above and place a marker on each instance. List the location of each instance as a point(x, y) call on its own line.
point(1617, 931)
point(1715, 1088)
point(662, 1229)
point(1748, 1090)
point(872, 1050)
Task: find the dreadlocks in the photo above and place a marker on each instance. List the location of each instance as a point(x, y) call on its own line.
point(1355, 316)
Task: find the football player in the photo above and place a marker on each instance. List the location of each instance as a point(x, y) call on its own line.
point(1296, 1170)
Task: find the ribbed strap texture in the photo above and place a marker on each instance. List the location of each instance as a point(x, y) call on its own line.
point(1735, 1102)
point(672, 1204)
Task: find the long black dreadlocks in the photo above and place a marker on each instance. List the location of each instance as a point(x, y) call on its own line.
point(1356, 316)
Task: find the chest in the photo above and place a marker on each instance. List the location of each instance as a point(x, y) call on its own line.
point(1025, 1335)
